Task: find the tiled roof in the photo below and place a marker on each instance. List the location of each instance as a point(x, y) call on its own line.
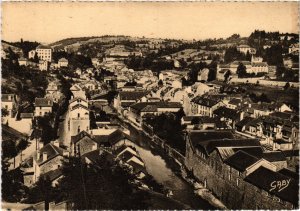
point(53, 175)
point(274, 156)
point(226, 152)
point(227, 113)
point(110, 139)
point(51, 150)
point(204, 101)
point(201, 136)
point(95, 155)
point(259, 64)
point(241, 160)
point(263, 178)
point(244, 122)
point(235, 101)
point(289, 174)
point(43, 102)
point(79, 106)
point(26, 115)
point(153, 106)
point(43, 47)
point(134, 95)
point(79, 136)
point(63, 60)
point(209, 145)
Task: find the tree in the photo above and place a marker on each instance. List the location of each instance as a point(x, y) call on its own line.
point(104, 185)
point(4, 112)
point(241, 70)
point(13, 189)
point(36, 58)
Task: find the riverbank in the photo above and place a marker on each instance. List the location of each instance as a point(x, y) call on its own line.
point(202, 198)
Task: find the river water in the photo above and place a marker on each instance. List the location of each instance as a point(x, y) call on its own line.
point(157, 167)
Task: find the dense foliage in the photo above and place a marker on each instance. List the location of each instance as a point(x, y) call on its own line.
point(107, 186)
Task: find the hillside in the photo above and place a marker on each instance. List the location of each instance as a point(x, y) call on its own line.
point(6, 45)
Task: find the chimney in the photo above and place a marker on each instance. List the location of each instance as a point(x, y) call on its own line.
point(241, 116)
point(41, 144)
point(100, 151)
point(44, 156)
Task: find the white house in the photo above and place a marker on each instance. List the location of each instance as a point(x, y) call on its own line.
point(63, 62)
point(8, 102)
point(43, 52)
point(23, 62)
point(294, 49)
point(246, 48)
point(42, 106)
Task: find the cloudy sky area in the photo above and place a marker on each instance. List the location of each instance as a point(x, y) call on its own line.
point(49, 22)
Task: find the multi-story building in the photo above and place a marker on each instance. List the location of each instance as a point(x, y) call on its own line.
point(42, 106)
point(43, 52)
point(63, 62)
point(9, 102)
point(238, 173)
point(204, 106)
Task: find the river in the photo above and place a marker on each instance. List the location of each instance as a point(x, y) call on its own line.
point(157, 167)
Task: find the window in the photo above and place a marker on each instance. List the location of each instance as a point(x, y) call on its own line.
point(78, 115)
point(40, 113)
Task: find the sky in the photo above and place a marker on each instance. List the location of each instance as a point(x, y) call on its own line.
point(49, 22)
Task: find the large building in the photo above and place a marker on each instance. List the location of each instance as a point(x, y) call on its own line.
point(239, 172)
point(43, 52)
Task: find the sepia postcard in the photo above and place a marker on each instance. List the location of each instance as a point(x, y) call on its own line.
point(127, 105)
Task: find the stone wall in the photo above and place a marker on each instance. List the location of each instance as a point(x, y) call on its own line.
point(227, 183)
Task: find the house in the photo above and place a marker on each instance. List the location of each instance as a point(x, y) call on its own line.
point(43, 65)
point(294, 49)
point(82, 143)
point(258, 67)
point(43, 52)
point(9, 103)
point(63, 62)
point(42, 106)
point(46, 159)
point(204, 106)
point(246, 48)
point(124, 99)
point(23, 62)
point(77, 92)
point(138, 110)
point(229, 116)
point(91, 85)
point(130, 157)
point(54, 176)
